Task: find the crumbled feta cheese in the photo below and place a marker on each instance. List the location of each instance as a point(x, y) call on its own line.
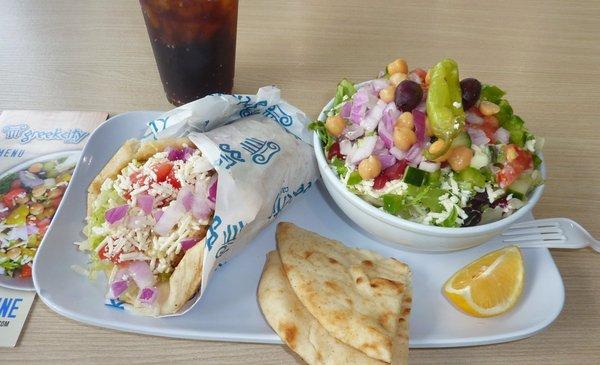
point(456, 104)
point(530, 145)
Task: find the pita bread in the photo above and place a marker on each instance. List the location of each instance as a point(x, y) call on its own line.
point(186, 278)
point(296, 326)
point(355, 294)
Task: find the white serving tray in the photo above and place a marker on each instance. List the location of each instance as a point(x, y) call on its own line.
point(229, 310)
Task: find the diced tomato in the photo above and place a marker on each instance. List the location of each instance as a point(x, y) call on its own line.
point(489, 127)
point(9, 198)
point(518, 160)
point(171, 179)
point(136, 177)
point(56, 202)
point(421, 73)
point(25, 271)
point(15, 184)
point(391, 173)
point(103, 255)
point(334, 151)
point(162, 170)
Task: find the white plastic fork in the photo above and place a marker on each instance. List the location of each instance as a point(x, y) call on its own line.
point(550, 233)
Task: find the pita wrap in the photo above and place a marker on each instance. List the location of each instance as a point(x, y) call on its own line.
point(296, 326)
point(356, 295)
point(185, 279)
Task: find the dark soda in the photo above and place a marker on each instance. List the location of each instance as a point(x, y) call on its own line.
point(194, 45)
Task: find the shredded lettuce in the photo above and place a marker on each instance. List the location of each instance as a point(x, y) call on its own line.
point(96, 219)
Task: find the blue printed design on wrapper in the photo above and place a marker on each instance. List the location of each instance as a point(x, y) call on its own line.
point(277, 114)
point(261, 151)
point(285, 197)
point(249, 108)
point(229, 156)
point(230, 233)
point(115, 303)
point(213, 235)
point(158, 125)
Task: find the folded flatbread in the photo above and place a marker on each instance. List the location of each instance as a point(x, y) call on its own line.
point(359, 297)
point(296, 326)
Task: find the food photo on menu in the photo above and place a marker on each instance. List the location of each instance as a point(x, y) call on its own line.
point(390, 211)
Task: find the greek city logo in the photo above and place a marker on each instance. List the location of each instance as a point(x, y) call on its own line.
point(24, 134)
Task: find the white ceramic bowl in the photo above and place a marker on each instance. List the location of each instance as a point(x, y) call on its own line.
point(401, 233)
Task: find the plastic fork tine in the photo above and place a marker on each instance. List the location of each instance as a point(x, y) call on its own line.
point(519, 231)
point(536, 237)
point(538, 223)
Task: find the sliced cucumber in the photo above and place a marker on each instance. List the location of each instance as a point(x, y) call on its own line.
point(521, 187)
point(471, 176)
point(462, 139)
point(415, 176)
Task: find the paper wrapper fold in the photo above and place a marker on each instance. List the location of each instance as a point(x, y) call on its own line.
point(258, 145)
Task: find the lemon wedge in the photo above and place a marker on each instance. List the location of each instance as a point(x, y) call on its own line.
point(490, 285)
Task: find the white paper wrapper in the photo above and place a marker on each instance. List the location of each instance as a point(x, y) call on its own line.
point(256, 143)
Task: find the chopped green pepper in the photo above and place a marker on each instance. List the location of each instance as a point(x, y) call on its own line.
point(354, 178)
point(492, 93)
point(444, 104)
point(18, 216)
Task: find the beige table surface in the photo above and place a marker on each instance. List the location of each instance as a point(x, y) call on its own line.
point(95, 55)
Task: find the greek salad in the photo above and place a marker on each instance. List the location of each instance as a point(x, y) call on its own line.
point(431, 148)
point(28, 200)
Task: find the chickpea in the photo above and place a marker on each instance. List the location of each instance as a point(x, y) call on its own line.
point(369, 168)
point(36, 208)
point(13, 253)
point(387, 94)
point(404, 138)
point(405, 120)
point(335, 125)
point(437, 147)
point(38, 191)
point(47, 213)
point(55, 193)
point(35, 168)
point(428, 77)
point(397, 78)
point(398, 65)
point(460, 158)
point(488, 108)
point(23, 198)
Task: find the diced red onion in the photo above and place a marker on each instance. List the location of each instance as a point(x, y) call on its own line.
point(414, 154)
point(188, 243)
point(390, 114)
point(359, 106)
point(345, 147)
point(385, 134)
point(478, 137)
point(429, 166)
point(473, 118)
point(136, 221)
point(379, 147)
point(17, 233)
point(148, 295)
point(122, 273)
point(29, 180)
point(413, 76)
point(386, 160)
point(157, 213)
point(371, 120)
point(117, 288)
point(212, 189)
point(363, 151)
point(201, 208)
point(140, 273)
point(353, 131)
point(145, 202)
point(398, 153)
point(420, 127)
point(186, 197)
point(115, 214)
point(169, 218)
point(502, 135)
point(346, 109)
point(32, 229)
point(379, 84)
